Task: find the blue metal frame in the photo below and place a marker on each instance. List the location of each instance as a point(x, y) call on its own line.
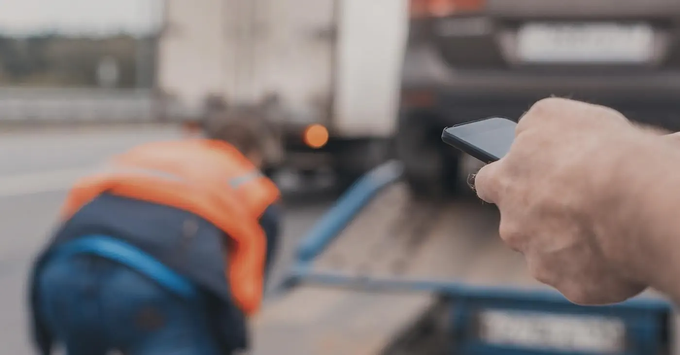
point(347, 207)
point(645, 318)
point(487, 294)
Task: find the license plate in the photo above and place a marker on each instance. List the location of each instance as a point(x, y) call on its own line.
point(585, 43)
point(531, 330)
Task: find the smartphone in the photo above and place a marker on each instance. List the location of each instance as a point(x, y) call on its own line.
point(487, 140)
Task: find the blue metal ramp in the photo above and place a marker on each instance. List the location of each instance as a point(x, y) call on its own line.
point(378, 239)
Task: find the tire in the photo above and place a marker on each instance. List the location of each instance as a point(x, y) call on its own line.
point(430, 169)
point(270, 172)
point(358, 158)
point(345, 179)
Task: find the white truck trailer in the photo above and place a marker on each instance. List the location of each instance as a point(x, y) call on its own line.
point(325, 72)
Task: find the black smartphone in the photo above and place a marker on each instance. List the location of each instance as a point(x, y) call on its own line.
point(487, 140)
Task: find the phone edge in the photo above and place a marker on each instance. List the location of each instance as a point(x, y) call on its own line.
point(459, 144)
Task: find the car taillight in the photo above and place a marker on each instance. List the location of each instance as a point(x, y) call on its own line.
point(419, 8)
point(315, 136)
point(442, 8)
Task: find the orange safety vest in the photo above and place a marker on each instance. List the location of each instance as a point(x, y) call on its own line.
point(209, 178)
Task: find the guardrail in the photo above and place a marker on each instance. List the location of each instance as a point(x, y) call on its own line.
point(56, 105)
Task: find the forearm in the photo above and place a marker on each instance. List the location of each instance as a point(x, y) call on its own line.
point(645, 222)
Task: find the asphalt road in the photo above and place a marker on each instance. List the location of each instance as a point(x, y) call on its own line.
point(35, 171)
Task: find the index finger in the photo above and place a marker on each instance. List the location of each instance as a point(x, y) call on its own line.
point(486, 183)
point(545, 110)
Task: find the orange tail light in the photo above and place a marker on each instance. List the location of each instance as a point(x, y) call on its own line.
point(315, 136)
point(442, 8)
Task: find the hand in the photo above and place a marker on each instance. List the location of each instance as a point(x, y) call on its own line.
point(673, 138)
point(556, 189)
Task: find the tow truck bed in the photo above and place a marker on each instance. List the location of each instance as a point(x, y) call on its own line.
point(313, 320)
point(449, 251)
point(398, 238)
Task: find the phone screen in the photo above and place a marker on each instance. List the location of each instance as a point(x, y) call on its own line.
point(487, 140)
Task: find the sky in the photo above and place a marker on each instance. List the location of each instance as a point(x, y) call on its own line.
point(89, 17)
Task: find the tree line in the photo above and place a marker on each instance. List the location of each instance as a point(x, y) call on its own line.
point(56, 61)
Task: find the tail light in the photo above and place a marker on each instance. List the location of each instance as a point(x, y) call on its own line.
point(442, 8)
point(315, 136)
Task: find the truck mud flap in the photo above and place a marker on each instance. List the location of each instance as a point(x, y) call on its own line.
point(378, 239)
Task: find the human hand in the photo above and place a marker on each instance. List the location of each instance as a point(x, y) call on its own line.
point(673, 138)
point(556, 189)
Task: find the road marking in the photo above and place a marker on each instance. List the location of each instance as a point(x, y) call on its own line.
point(37, 182)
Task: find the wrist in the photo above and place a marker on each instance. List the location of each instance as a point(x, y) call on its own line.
point(637, 223)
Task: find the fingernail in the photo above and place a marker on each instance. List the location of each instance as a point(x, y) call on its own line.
point(471, 181)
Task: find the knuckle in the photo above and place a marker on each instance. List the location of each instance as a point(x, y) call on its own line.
point(603, 112)
point(485, 183)
point(481, 179)
point(578, 295)
point(526, 141)
point(511, 234)
point(539, 269)
point(548, 104)
point(614, 114)
point(540, 273)
point(540, 111)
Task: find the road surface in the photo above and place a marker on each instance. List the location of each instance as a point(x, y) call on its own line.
point(35, 171)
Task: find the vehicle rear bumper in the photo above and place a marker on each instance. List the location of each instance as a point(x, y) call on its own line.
point(650, 97)
point(522, 9)
point(662, 114)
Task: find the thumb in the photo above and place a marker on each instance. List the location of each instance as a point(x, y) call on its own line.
point(486, 183)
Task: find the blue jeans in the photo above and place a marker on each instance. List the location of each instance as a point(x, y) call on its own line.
point(92, 305)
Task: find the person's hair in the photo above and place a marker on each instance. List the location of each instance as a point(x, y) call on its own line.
point(238, 127)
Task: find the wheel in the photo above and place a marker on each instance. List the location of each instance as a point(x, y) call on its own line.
point(270, 171)
point(431, 169)
point(358, 157)
point(308, 174)
point(345, 179)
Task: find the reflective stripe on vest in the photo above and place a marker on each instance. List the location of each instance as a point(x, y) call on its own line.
point(234, 182)
point(238, 181)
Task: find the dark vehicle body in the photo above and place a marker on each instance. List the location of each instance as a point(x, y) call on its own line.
point(469, 59)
